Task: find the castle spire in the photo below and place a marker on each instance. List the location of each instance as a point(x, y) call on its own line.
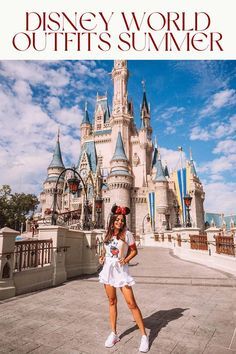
point(119, 150)
point(166, 171)
point(120, 76)
point(145, 112)
point(86, 115)
point(192, 165)
point(144, 108)
point(160, 173)
point(57, 157)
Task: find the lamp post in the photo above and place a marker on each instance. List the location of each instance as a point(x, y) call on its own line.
point(187, 202)
point(167, 221)
point(148, 218)
point(98, 207)
point(73, 184)
point(176, 207)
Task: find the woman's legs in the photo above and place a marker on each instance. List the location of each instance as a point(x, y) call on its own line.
point(111, 294)
point(127, 291)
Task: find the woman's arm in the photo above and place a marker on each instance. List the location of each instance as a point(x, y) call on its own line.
point(133, 252)
point(101, 259)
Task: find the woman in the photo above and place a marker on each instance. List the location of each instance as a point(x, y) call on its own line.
point(115, 273)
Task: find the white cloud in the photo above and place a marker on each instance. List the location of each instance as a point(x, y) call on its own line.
point(71, 117)
point(170, 117)
point(35, 73)
point(198, 133)
point(223, 98)
point(220, 165)
point(220, 197)
point(29, 121)
point(171, 111)
point(219, 100)
point(216, 177)
point(215, 130)
point(226, 147)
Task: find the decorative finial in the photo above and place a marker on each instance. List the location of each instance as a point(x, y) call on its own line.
point(190, 154)
point(155, 141)
point(144, 85)
point(86, 106)
point(58, 132)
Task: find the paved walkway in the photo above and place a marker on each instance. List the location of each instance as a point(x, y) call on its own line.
point(187, 309)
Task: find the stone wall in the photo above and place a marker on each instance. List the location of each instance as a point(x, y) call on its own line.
point(73, 254)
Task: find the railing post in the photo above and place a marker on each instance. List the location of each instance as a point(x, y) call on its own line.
point(57, 234)
point(90, 258)
point(7, 244)
point(212, 232)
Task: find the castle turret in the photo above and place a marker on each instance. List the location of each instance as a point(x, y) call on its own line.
point(145, 133)
point(120, 179)
point(161, 189)
point(54, 170)
point(120, 76)
point(195, 189)
point(121, 120)
point(85, 126)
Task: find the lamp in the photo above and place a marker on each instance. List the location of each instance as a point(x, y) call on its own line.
point(98, 207)
point(167, 221)
point(73, 184)
point(177, 208)
point(98, 204)
point(187, 202)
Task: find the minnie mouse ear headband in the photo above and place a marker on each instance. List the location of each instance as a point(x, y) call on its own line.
point(117, 210)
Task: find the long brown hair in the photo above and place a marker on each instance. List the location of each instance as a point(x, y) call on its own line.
point(110, 229)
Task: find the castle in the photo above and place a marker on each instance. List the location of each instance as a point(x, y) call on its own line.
point(120, 164)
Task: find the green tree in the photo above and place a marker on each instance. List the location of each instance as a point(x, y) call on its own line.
point(15, 208)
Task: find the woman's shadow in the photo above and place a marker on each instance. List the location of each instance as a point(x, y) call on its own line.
point(157, 321)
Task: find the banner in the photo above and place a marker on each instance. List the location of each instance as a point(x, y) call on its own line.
point(180, 178)
point(169, 29)
point(152, 207)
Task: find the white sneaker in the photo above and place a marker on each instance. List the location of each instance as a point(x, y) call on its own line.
point(144, 345)
point(112, 339)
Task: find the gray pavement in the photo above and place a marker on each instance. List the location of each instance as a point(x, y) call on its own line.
point(187, 309)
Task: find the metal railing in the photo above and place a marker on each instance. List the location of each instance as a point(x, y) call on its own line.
point(179, 240)
point(225, 245)
point(32, 254)
point(198, 242)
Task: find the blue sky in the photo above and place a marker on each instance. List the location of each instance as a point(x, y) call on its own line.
point(192, 105)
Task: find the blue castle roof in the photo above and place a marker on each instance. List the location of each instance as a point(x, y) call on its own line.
point(219, 219)
point(89, 148)
point(160, 174)
point(57, 157)
point(119, 150)
point(86, 117)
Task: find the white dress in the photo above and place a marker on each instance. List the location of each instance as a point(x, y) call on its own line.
point(113, 273)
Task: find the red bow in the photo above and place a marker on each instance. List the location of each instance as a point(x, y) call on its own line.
point(120, 210)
